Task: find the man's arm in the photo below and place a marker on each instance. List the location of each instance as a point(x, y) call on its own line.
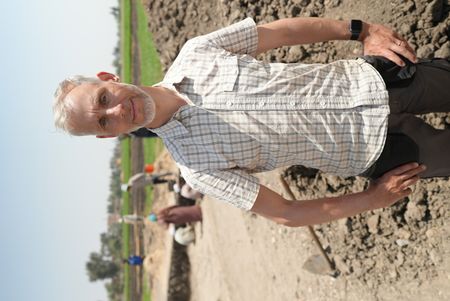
point(382, 193)
point(377, 39)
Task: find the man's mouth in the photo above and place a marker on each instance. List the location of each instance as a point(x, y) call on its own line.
point(133, 111)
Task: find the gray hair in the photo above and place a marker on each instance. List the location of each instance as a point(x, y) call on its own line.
point(62, 109)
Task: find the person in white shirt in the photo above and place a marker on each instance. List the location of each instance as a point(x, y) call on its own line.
point(224, 115)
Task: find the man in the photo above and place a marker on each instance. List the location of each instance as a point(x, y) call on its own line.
point(143, 179)
point(224, 115)
point(131, 219)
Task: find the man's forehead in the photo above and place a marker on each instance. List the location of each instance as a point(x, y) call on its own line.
point(81, 101)
point(83, 91)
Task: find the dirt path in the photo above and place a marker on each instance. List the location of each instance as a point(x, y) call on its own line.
point(241, 256)
point(399, 253)
point(158, 242)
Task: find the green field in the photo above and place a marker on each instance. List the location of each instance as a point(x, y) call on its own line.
point(125, 40)
point(150, 65)
point(150, 74)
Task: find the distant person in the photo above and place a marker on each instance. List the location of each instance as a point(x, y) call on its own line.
point(177, 215)
point(134, 260)
point(131, 219)
point(143, 179)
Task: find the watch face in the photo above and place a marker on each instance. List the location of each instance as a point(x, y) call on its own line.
point(355, 29)
point(356, 25)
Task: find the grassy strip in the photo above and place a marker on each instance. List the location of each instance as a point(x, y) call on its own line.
point(146, 295)
point(151, 72)
point(125, 38)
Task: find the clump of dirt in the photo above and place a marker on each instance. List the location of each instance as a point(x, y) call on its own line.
point(425, 24)
point(402, 242)
point(399, 243)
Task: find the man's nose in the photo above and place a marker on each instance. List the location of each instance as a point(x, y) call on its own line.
point(117, 111)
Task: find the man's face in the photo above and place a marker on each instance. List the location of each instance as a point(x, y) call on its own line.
point(109, 108)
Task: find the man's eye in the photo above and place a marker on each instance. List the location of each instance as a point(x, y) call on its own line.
point(103, 100)
point(102, 122)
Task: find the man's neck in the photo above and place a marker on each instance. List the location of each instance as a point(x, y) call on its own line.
point(167, 103)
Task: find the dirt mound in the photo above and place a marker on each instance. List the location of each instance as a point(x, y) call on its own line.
point(425, 24)
point(383, 246)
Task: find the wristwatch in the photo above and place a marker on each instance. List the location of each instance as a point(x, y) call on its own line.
point(355, 29)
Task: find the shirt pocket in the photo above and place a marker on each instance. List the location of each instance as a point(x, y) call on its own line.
point(228, 73)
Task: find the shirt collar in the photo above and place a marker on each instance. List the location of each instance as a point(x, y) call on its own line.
point(171, 79)
point(173, 128)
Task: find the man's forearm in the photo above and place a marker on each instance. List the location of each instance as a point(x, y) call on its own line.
point(383, 192)
point(309, 212)
point(324, 210)
point(311, 30)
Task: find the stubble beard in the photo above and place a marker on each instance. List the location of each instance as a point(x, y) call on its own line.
point(148, 105)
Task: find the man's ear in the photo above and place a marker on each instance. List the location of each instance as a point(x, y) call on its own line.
point(105, 136)
point(106, 76)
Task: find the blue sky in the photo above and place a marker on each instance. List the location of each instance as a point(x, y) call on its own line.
point(53, 187)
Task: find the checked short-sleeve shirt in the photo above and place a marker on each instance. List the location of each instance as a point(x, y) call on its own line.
point(246, 116)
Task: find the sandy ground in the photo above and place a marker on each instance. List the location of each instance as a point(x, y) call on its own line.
point(241, 256)
point(398, 253)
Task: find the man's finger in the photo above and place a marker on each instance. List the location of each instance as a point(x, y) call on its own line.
point(412, 172)
point(411, 50)
point(403, 168)
point(403, 48)
point(403, 42)
point(409, 182)
point(391, 55)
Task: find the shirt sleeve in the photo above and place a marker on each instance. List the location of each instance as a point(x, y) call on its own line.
point(239, 38)
point(232, 186)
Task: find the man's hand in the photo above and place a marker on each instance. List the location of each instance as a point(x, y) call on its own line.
point(394, 185)
point(382, 41)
